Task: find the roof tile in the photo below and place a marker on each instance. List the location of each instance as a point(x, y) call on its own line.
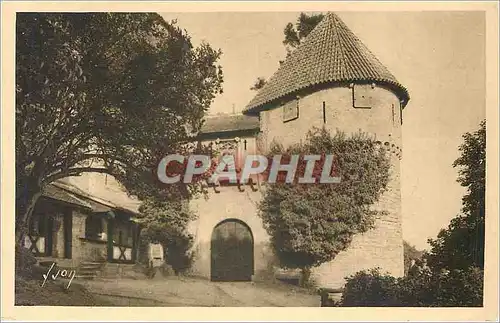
point(228, 122)
point(330, 53)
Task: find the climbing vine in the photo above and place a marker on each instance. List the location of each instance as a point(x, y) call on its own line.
point(309, 224)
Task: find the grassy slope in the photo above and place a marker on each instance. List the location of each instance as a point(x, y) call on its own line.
point(29, 292)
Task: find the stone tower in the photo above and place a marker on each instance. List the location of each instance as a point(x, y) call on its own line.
point(332, 80)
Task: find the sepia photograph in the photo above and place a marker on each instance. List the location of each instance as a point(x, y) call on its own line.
point(259, 158)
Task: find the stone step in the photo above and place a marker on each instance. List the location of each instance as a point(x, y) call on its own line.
point(92, 263)
point(86, 276)
point(90, 269)
point(88, 272)
point(81, 267)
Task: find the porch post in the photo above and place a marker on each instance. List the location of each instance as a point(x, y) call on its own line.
point(134, 242)
point(110, 239)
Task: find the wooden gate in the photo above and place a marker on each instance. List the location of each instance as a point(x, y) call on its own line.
point(232, 252)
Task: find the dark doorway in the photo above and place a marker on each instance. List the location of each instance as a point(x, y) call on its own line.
point(49, 236)
point(232, 252)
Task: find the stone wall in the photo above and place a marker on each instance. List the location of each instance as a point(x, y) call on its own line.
point(339, 114)
point(85, 250)
point(381, 246)
point(230, 203)
point(59, 238)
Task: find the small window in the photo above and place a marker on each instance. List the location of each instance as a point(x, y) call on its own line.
point(362, 95)
point(393, 115)
point(401, 112)
point(290, 110)
point(93, 227)
point(324, 112)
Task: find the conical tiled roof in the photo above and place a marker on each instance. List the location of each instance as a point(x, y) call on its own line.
point(331, 53)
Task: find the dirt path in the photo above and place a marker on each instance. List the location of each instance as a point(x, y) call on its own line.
point(197, 292)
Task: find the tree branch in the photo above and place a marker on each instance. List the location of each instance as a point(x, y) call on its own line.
point(74, 172)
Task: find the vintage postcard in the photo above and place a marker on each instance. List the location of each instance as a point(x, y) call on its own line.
point(300, 161)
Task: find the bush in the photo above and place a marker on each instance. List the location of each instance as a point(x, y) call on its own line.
point(370, 289)
point(24, 261)
point(461, 288)
point(457, 288)
point(179, 253)
point(167, 223)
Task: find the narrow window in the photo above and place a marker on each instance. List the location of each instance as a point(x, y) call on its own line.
point(401, 112)
point(324, 112)
point(393, 117)
point(93, 227)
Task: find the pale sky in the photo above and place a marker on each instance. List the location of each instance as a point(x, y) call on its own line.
point(438, 56)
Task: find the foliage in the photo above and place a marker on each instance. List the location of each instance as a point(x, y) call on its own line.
point(293, 37)
point(461, 245)
point(166, 223)
point(29, 292)
point(370, 289)
point(423, 288)
point(25, 260)
point(411, 254)
point(304, 25)
point(105, 92)
point(458, 287)
point(310, 224)
point(259, 84)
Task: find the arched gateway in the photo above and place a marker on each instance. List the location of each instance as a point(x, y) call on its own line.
point(232, 251)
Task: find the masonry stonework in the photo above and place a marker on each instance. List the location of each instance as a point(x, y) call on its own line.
point(85, 250)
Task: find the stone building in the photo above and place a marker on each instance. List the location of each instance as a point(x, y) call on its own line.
point(331, 80)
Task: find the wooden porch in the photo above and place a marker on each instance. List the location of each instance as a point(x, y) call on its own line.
point(78, 229)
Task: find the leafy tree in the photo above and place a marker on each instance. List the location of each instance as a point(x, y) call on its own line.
point(105, 92)
point(310, 224)
point(294, 35)
point(411, 255)
point(425, 288)
point(370, 288)
point(166, 223)
point(461, 245)
point(451, 274)
point(259, 84)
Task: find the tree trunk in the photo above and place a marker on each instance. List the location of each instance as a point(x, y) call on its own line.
point(305, 277)
point(25, 213)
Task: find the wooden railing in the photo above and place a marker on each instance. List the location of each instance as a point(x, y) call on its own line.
point(122, 253)
point(35, 244)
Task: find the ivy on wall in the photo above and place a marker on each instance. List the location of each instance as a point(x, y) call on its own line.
point(309, 224)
